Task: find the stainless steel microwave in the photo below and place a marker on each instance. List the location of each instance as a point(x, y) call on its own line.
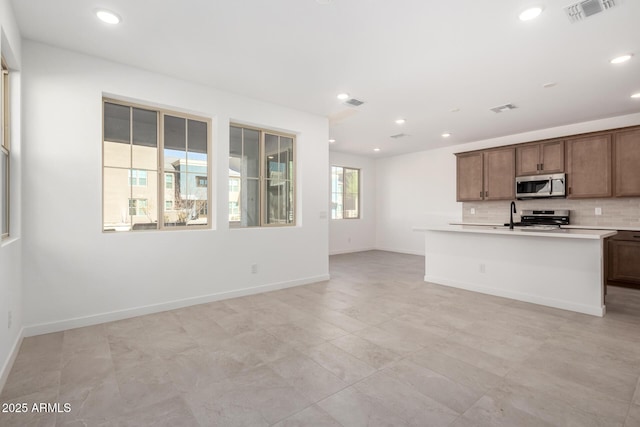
point(539, 186)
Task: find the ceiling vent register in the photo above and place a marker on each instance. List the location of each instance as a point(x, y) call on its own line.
point(505, 107)
point(399, 135)
point(354, 102)
point(584, 9)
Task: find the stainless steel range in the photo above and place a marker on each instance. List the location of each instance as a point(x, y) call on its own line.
point(543, 218)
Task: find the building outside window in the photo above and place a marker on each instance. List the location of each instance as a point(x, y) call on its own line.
point(261, 177)
point(138, 207)
point(141, 146)
point(345, 193)
point(168, 181)
point(5, 157)
point(138, 178)
point(201, 181)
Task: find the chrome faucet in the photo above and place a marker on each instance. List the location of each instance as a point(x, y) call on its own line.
point(512, 210)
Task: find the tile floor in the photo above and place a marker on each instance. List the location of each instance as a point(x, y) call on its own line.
point(373, 346)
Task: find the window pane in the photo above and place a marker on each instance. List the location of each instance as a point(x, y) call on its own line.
point(250, 203)
point(271, 148)
point(117, 193)
point(197, 137)
point(351, 193)
point(175, 143)
point(146, 217)
point(117, 123)
point(117, 146)
point(145, 139)
point(251, 157)
point(234, 198)
point(286, 156)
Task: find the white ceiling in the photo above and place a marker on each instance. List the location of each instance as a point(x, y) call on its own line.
point(415, 59)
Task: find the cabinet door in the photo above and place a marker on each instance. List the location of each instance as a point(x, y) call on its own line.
point(627, 163)
point(528, 159)
point(589, 167)
point(469, 177)
point(552, 157)
point(499, 174)
point(624, 261)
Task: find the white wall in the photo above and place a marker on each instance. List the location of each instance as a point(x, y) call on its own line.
point(11, 248)
point(420, 188)
point(353, 235)
point(76, 275)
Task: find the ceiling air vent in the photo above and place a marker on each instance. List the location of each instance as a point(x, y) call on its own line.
point(399, 135)
point(354, 102)
point(584, 9)
point(505, 107)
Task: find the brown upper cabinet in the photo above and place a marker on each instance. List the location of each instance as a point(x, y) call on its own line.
point(486, 175)
point(589, 166)
point(540, 157)
point(626, 149)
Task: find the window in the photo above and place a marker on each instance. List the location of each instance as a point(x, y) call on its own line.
point(138, 207)
point(138, 178)
point(261, 177)
point(201, 181)
point(4, 152)
point(345, 193)
point(168, 181)
point(142, 145)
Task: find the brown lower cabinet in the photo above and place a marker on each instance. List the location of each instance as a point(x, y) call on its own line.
point(623, 259)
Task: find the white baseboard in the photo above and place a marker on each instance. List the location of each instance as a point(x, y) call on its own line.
point(400, 251)
point(78, 322)
point(8, 364)
point(564, 305)
point(350, 251)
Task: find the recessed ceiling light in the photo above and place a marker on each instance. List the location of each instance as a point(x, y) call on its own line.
point(455, 110)
point(108, 16)
point(531, 13)
point(620, 59)
point(343, 96)
point(331, 141)
point(446, 135)
point(636, 95)
point(401, 121)
point(548, 85)
point(376, 149)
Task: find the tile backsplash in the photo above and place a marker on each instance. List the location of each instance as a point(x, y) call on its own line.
point(615, 212)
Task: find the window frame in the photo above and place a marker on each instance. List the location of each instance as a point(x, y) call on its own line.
point(262, 179)
point(344, 192)
point(160, 172)
point(5, 144)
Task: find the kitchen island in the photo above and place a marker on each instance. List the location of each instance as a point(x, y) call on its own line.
point(561, 268)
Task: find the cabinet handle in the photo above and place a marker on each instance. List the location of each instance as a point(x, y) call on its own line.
point(481, 194)
point(486, 194)
point(636, 237)
point(537, 166)
point(541, 166)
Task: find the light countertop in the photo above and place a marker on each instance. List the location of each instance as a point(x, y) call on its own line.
point(573, 226)
point(500, 229)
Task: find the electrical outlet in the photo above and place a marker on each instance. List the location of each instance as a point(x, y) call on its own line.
point(254, 268)
point(472, 211)
point(598, 211)
point(10, 320)
point(483, 268)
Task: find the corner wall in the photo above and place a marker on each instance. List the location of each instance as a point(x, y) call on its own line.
point(74, 274)
point(11, 248)
point(355, 235)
